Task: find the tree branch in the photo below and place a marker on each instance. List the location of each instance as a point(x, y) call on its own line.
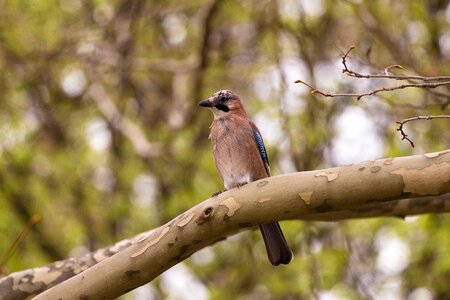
point(386, 74)
point(120, 123)
point(35, 219)
point(365, 189)
point(395, 208)
point(358, 96)
point(404, 121)
point(427, 82)
point(17, 286)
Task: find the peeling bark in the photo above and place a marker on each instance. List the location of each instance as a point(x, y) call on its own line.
point(386, 187)
point(31, 282)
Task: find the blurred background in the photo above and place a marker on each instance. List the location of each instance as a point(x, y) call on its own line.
point(101, 135)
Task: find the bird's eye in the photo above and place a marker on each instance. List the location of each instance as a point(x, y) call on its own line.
point(223, 99)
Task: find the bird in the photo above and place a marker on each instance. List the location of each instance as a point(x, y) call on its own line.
point(241, 157)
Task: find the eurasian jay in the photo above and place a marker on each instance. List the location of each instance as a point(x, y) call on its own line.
point(240, 157)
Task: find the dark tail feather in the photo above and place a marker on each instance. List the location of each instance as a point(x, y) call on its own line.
point(276, 245)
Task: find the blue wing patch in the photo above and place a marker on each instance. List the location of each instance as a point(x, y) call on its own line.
point(262, 149)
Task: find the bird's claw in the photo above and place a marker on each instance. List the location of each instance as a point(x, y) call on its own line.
point(241, 184)
point(217, 193)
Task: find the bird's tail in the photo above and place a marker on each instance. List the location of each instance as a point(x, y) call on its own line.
point(276, 245)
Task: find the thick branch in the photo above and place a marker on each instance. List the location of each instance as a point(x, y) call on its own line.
point(16, 286)
point(290, 196)
point(395, 208)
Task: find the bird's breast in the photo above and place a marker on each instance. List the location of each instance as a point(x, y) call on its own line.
point(236, 154)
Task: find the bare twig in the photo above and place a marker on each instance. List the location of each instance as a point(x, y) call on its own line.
point(413, 81)
point(428, 85)
point(404, 121)
point(386, 74)
point(35, 219)
point(427, 82)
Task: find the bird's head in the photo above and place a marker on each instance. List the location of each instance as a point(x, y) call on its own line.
point(223, 103)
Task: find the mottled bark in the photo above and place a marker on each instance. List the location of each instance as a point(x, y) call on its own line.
point(386, 187)
point(31, 282)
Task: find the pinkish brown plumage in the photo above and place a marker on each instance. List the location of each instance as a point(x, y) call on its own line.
point(240, 158)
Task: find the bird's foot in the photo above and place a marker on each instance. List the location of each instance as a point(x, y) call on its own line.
point(217, 193)
point(241, 184)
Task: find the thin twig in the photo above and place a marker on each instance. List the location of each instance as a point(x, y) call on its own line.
point(386, 74)
point(35, 219)
point(404, 121)
point(427, 82)
point(426, 85)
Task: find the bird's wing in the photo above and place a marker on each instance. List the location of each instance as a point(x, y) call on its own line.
point(261, 147)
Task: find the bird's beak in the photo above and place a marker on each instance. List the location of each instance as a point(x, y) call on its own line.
point(206, 103)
